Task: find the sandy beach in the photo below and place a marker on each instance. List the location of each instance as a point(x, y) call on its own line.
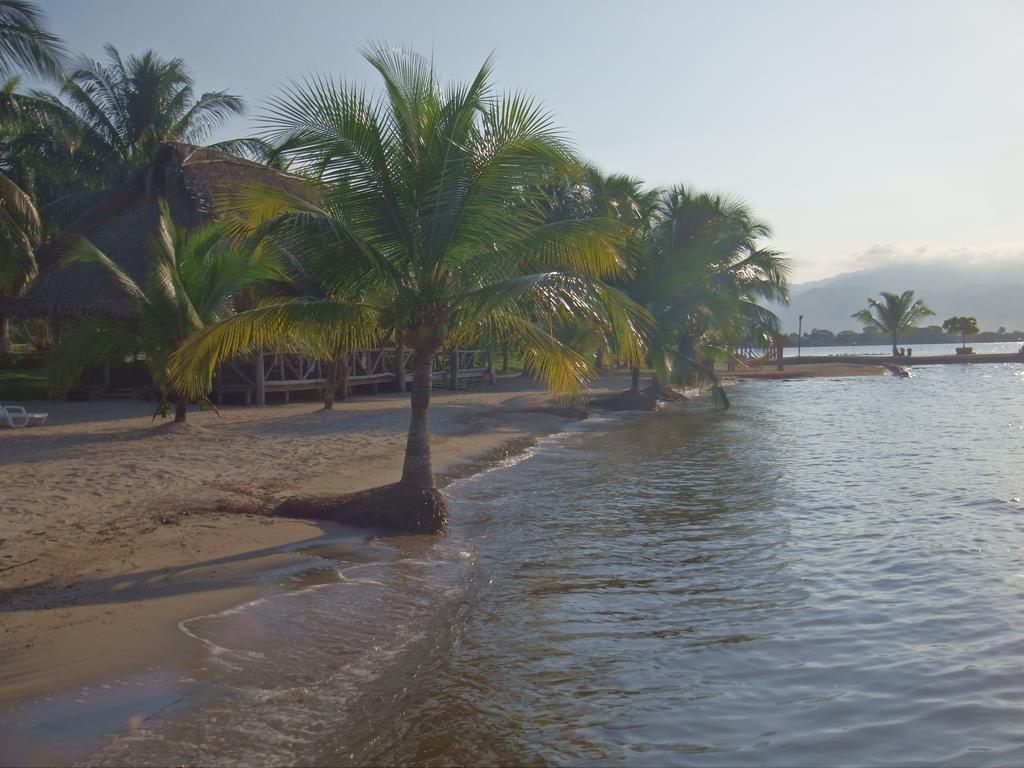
point(794, 370)
point(115, 527)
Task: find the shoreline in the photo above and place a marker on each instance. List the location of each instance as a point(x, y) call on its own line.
point(97, 581)
point(99, 617)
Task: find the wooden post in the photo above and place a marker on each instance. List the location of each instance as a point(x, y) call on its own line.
point(261, 391)
point(344, 376)
point(779, 345)
point(400, 366)
point(453, 382)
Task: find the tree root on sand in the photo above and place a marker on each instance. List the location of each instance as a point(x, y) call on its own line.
point(394, 508)
point(649, 399)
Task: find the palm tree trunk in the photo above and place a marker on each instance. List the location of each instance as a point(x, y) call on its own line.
point(6, 345)
point(181, 410)
point(894, 340)
point(418, 472)
point(634, 386)
point(344, 376)
point(331, 384)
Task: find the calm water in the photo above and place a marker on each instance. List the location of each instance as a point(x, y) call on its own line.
point(918, 349)
point(832, 571)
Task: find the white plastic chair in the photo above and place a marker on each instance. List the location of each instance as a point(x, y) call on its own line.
point(12, 414)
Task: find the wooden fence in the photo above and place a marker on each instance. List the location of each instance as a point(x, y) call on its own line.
point(268, 373)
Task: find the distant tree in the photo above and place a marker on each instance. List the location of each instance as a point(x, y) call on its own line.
point(965, 326)
point(893, 314)
point(821, 337)
point(847, 337)
point(1002, 329)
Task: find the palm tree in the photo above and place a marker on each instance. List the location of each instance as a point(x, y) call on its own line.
point(19, 233)
point(893, 314)
point(619, 197)
point(703, 277)
point(195, 277)
point(25, 44)
point(431, 231)
point(116, 114)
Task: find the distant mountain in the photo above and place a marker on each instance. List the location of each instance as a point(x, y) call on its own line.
point(993, 293)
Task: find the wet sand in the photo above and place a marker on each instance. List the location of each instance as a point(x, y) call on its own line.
point(119, 527)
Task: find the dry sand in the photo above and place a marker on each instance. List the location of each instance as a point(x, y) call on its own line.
point(794, 370)
point(114, 527)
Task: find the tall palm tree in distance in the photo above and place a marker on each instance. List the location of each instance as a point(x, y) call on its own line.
point(430, 231)
point(893, 314)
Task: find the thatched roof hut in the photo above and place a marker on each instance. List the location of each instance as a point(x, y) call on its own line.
point(189, 178)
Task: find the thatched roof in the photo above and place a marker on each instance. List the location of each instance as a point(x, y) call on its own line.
point(190, 179)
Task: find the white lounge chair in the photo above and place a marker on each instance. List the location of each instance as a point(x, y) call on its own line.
point(11, 415)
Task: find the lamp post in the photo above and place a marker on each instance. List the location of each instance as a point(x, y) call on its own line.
point(799, 336)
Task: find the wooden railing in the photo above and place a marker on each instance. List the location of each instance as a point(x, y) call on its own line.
point(269, 372)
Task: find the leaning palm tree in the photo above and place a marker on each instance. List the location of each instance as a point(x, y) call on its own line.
point(25, 45)
point(893, 314)
point(430, 231)
point(195, 277)
point(703, 277)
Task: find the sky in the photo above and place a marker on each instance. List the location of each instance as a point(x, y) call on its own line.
point(863, 132)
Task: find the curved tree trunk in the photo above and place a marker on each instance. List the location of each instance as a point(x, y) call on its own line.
point(418, 472)
point(634, 386)
point(180, 410)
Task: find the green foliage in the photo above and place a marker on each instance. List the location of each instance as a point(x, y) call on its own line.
point(19, 232)
point(961, 326)
point(193, 281)
point(432, 227)
point(965, 326)
point(702, 276)
point(25, 44)
point(22, 385)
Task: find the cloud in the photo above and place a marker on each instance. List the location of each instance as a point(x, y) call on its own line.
point(887, 254)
